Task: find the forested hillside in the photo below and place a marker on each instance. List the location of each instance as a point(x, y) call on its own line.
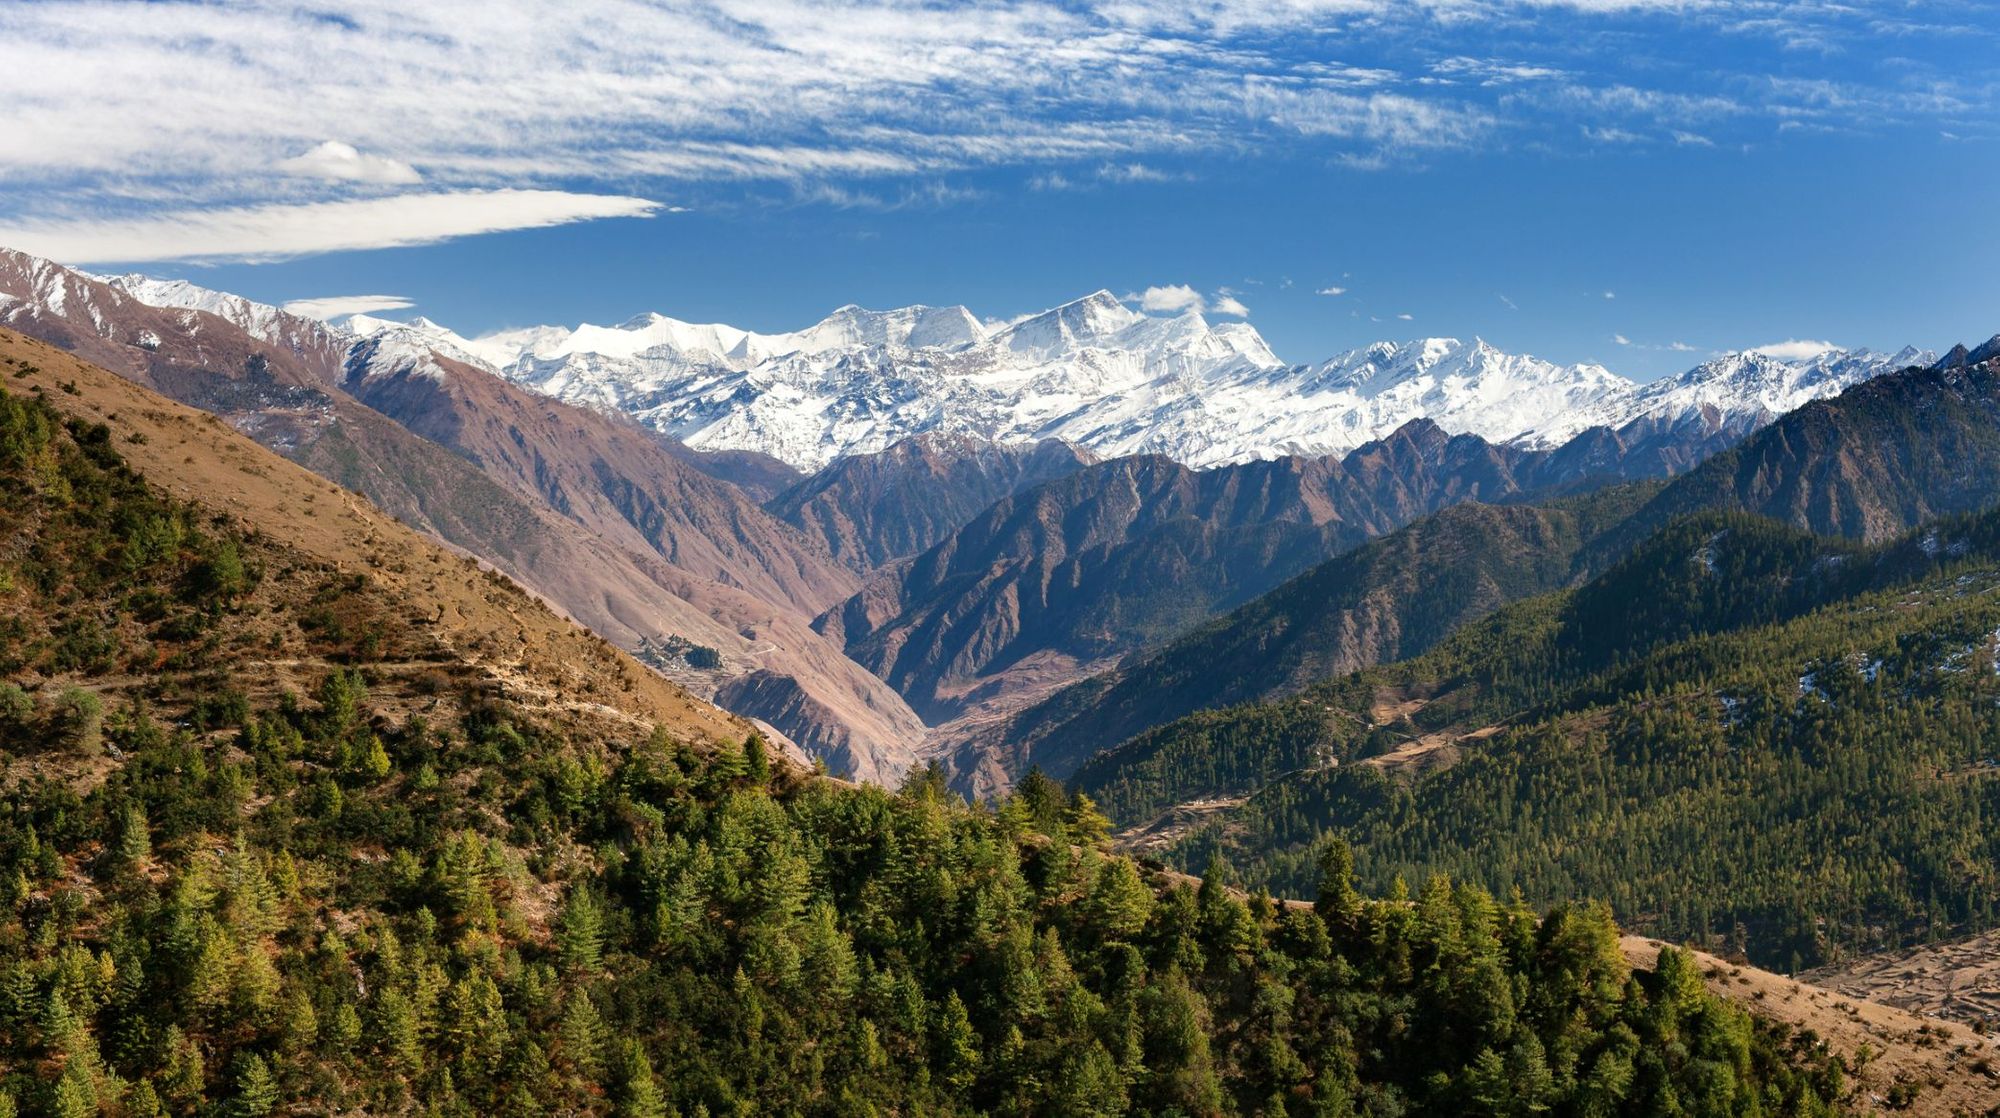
point(1742, 734)
point(407, 885)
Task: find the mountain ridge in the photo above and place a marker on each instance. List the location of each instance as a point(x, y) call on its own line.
point(670, 555)
point(1117, 382)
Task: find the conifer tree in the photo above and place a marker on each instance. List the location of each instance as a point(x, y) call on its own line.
point(581, 937)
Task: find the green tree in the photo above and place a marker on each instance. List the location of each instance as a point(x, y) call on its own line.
point(580, 1036)
point(1120, 903)
point(256, 1088)
point(580, 938)
point(639, 1094)
point(956, 1044)
point(76, 721)
point(1086, 825)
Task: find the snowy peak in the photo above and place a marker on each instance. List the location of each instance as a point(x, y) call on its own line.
point(1088, 322)
point(1736, 391)
point(260, 320)
point(1094, 372)
point(1386, 367)
point(1760, 380)
point(385, 346)
point(653, 331)
point(917, 327)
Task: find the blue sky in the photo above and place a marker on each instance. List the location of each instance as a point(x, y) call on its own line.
point(1629, 181)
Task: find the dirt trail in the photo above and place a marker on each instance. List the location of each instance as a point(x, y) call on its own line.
point(1174, 824)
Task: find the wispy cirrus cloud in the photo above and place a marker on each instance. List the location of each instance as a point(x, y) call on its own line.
point(340, 306)
point(277, 232)
point(120, 109)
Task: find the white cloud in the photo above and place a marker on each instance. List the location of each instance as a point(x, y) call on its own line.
point(1510, 303)
point(1608, 135)
point(1488, 71)
point(1331, 291)
point(1795, 349)
point(1611, 295)
point(124, 107)
point(1682, 347)
point(276, 232)
point(335, 160)
point(1171, 299)
point(340, 306)
point(1407, 317)
point(1131, 172)
point(1179, 298)
point(1621, 339)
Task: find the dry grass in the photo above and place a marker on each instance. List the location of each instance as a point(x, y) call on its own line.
point(1946, 1061)
point(455, 621)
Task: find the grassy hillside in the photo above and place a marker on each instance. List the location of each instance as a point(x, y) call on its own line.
point(278, 838)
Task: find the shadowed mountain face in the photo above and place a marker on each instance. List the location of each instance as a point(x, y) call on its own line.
point(594, 513)
point(1871, 463)
point(871, 509)
point(1122, 555)
point(1387, 599)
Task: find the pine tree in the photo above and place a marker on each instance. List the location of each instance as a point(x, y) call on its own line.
point(640, 1095)
point(580, 1036)
point(1119, 903)
point(256, 1088)
point(956, 1044)
point(580, 938)
point(1086, 825)
point(74, 1096)
point(373, 762)
point(1336, 902)
point(135, 838)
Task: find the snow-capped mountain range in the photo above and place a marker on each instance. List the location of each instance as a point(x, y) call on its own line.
point(1093, 372)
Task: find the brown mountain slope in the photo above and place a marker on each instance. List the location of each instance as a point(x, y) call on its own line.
point(760, 476)
point(319, 538)
point(872, 509)
point(754, 579)
point(651, 578)
point(607, 474)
